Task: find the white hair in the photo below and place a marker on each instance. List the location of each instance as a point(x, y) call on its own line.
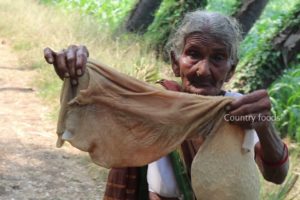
point(222, 28)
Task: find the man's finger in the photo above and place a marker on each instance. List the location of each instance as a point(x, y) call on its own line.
point(255, 107)
point(49, 55)
point(61, 65)
point(71, 60)
point(249, 98)
point(81, 60)
point(84, 50)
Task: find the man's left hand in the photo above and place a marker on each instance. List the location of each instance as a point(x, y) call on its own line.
point(251, 110)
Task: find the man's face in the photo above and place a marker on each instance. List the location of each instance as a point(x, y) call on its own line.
point(203, 66)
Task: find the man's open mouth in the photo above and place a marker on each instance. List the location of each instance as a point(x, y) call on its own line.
point(200, 83)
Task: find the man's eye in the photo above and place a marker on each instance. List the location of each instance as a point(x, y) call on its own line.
point(218, 57)
point(193, 54)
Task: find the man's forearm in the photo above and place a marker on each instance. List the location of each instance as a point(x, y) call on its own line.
point(272, 154)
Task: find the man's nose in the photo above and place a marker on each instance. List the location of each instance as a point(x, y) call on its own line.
point(203, 68)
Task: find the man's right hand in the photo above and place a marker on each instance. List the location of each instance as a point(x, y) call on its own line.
point(68, 63)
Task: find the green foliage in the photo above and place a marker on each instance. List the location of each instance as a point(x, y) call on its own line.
point(109, 13)
point(275, 17)
point(167, 19)
point(260, 62)
point(227, 7)
point(48, 1)
point(285, 97)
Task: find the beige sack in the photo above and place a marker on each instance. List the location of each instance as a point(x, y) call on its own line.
point(222, 170)
point(122, 122)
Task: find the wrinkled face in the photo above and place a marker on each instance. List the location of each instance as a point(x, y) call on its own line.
point(204, 65)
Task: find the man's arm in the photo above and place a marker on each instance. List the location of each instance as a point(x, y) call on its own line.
point(271, 154)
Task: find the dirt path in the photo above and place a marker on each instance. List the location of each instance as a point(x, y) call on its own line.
point(31, 167)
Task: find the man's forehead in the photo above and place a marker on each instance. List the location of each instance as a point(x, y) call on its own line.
point(199, 39)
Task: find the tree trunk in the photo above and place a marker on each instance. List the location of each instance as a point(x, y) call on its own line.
point(249, 12)
point(288, 42)
point(142, 15)
point(270, 63)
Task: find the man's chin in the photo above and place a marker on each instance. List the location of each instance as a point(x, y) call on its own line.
point(206, 91)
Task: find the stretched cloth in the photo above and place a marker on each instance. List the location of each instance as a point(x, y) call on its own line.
point(130, 183)
point(124, 122)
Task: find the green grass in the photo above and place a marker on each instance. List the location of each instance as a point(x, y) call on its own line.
point(285, 96)
point(290, 189)
point(22, 46)
point(35, 26)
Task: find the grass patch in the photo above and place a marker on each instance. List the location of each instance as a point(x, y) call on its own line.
point(22, 46)
point(34, 26)
point(285, 96)
point(290, 189)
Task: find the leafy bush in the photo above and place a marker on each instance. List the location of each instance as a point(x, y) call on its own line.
point(227, 7)
point(285, 96)
point(167, 19)
point(260, 62)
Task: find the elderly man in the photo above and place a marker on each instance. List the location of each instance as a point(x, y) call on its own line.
point(203, 53)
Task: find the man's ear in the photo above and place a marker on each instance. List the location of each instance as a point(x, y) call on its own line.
point(230, 73)
point(175, 64)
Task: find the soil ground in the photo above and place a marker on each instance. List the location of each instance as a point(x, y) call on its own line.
point(31, 167)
